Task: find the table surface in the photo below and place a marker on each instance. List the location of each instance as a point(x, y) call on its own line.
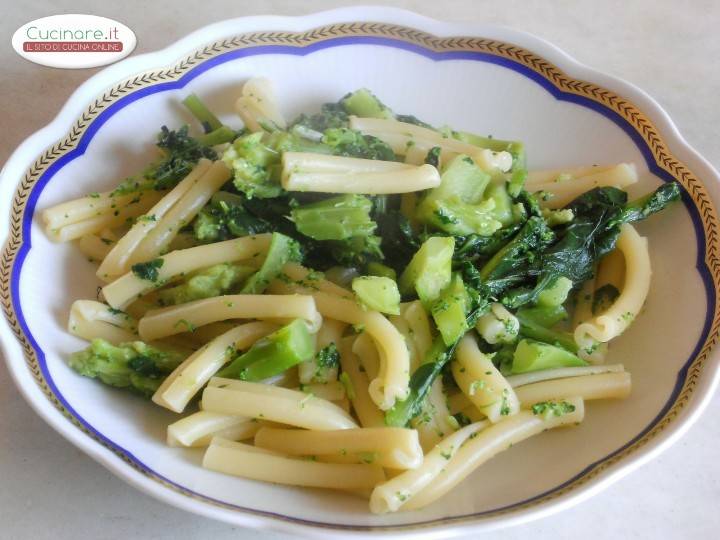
point(52, 490)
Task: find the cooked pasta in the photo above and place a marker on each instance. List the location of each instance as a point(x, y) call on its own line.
point(395, 448)
point(357, 300)
point(251, 462)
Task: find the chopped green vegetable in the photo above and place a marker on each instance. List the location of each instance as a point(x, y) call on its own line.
point(555, 294)
point(214, 281)
point(450, 311)
point(363, 103)
point(225, 217)
point(337, 218)
point(377, 293)
point(328, 357)
point(348, 142)
point(379, 269)
point(533, 355)
point(148, 270)
point(273, 354)
point(282, 250)
point(549, 409)
point(429, 270)
point(200, 111)
point(134, 365)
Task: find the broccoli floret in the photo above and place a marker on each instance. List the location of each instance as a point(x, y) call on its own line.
point(225, 217)
point(348, 142)
point(251, 162)
point(135, 365)
point(331, 115)
point(214, 281)
point(365, 104)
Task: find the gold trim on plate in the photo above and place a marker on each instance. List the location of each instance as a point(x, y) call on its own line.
point(625, 109)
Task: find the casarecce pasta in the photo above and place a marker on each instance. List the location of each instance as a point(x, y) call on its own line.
point(357, 300)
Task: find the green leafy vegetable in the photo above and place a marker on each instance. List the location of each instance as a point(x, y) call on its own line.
point(149, 270)
point(135, 365)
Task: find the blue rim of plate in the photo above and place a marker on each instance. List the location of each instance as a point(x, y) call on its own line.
point(525, 65)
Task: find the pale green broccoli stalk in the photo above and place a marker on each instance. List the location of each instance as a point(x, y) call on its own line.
point(214, 281)
point(199, 110)
point(457, 206)
point(225, 217)
point(134, 365)
point(337, 218)
point(450, 311)
point(516, 148)
point(533, 355)
point(430, 270)
point(273, 354)
point(377, 293)
point(363, 103)
point(282, 250)
point(221, 135)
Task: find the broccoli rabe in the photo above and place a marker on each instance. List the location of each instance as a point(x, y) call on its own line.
point(365, 104)
point(135, 365)
point(251, 161)
point(348, 142)
point(181, 152)
point(214, 281)
point(282, 250)
point(337, 218)
point(458, 207)
point(225, 217)
point(272, 354)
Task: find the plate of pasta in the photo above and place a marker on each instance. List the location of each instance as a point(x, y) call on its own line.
point(336, 277)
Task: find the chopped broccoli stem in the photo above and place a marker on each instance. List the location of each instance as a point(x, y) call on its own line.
point(377, 293)
point(134, 365)
point(379, 269)
point(214, 281)
point(543, 316)
point(532, 329)
point(450, 311)
point(273, 354)
point(533, 355)
point(221, 135)
point(282, 250)
point(363, 103)
point(429, 271)
point(337, 218)
point(200, 111)
point(556, 294)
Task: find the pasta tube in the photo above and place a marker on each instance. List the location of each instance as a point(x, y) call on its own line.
point(90, 319)
point(199, 428)
point(565, 190)
point(262, 401)
point(181, 213)
point(486, 445)
point(391, 495)
point(250, 462)
point(615, 320)
point(392, 381)
point(600, 386)
point(130, 286)
point(173, 320)
point(117, 261)
point(396, 448)
point(371, 183)
point(482, 383)
point(357, 381)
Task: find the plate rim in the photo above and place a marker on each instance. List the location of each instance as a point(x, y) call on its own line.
point(390, 16)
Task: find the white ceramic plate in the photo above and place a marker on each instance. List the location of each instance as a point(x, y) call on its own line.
point(493, 80)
